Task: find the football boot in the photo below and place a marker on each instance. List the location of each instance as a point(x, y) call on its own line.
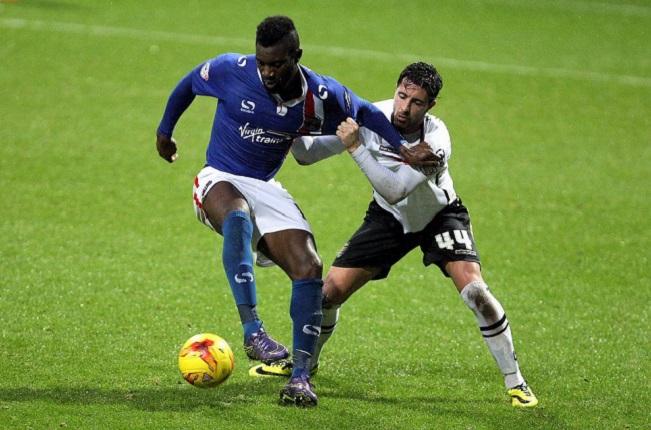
point(260, 346)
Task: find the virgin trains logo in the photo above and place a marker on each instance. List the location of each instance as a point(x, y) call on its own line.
point(260, 135)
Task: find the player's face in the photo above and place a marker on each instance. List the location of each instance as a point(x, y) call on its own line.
point(277, 65)
point(410, 104)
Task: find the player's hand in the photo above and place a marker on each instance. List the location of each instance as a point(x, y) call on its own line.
point(166, 147)
point(421, 155)
point(348, 132)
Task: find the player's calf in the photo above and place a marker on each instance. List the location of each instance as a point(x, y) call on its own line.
point(494, 327)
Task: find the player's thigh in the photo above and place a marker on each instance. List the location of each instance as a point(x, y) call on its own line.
point(448, 238)
point(341, 282)
point(378, 243)
point(222, 198)
point(294, 251)
point(216, 193)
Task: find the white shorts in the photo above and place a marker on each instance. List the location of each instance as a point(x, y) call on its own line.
point(272, 207)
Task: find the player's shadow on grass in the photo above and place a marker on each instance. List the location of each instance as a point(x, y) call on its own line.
point(238, 394)
point(184, 397)
point(176, 398)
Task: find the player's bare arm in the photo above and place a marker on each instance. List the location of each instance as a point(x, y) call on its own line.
point(166, 147)
point(424, 151)
point(420, 155)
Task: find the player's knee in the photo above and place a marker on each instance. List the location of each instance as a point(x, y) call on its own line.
point(334, 291)
point(326, 303)
point(475, 294)
point(463, 273)
point(478, 298)
point(309, 267)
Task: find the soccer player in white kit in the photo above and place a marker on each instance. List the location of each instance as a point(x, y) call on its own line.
point(267, 99)
point(411, 207)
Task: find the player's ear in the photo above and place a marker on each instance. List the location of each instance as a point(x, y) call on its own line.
point(431, 105)
point(298, 54)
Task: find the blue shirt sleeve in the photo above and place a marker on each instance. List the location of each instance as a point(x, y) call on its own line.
point(178, 102)
point(207, 79)
point(213, 77)
point(368, 115)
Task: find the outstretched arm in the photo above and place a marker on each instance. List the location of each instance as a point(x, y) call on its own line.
point(369, 116)
point(178, 102)
point(308, 150)
point(393, 186)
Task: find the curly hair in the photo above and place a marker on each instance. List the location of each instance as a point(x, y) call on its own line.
point(275, 29)
point(424, 75)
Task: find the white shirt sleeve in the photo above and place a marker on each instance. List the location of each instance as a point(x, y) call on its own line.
point(308, 150)
point(393, 186)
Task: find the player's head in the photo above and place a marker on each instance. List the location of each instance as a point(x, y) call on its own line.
point(417, 88)
point(277, 52)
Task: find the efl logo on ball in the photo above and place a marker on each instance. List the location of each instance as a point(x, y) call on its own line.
point(206, 360)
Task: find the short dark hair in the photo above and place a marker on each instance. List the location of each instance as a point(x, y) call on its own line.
point(273, 29)
point(424, 75)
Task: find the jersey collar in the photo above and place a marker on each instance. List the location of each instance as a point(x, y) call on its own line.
point(295, 101)
point(417, 136)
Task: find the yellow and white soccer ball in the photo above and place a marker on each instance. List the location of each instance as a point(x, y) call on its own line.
point(206, 360)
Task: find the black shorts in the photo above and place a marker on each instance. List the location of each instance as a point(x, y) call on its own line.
point(380, 242)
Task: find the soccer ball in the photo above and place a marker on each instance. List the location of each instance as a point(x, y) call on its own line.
point(206, 360)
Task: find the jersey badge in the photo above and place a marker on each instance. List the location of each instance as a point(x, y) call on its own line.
point(241, 61)
point(247, 106)
point(389, 151)
point(348, 102)
point(323, 92)
point(205, 71)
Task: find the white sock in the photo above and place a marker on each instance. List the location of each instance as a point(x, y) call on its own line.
point(494, 327)
point(328, 325)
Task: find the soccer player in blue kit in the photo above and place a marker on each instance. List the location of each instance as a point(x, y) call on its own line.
point(265, 101)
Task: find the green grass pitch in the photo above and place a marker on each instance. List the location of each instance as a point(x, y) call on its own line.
point(104, 272)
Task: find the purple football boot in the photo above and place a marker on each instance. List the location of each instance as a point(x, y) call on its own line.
point(298, 392)
point(260, 346)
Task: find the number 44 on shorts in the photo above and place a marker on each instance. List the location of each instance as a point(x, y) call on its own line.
point(444, 240)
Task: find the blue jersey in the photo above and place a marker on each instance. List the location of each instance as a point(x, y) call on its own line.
point(253, 130)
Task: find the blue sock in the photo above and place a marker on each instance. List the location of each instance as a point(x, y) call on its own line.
point(237, 257)
point(305, 310)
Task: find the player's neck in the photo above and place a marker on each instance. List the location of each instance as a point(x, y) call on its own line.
point(293, 89)
point(413, 134)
